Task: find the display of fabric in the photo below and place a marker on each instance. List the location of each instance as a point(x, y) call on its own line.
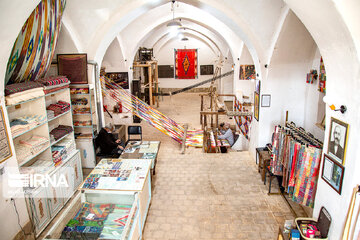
point(243, 122)
point(34, 47)
point(59, 107)
point(53, 80)
point(20, 87)
point(79, 91)
point(297, 161)
point(94, 221)
point(79, 101)
point(82, 123)
point(24, 96)
point(84, 110)
point(58, 154)
point(247, 72)
point(186, 63)
point(25, 149)
point(61, 131)
point(48, 90)
point(22, 124)
point(40, 166)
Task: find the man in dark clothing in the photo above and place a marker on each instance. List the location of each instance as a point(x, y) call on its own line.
point(334, 146)
point(109, 145)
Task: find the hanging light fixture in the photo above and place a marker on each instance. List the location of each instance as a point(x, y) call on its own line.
point(184, 39)
point(173, 23)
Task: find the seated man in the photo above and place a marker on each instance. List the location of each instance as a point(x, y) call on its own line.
point(107, 142)
point(226, 133)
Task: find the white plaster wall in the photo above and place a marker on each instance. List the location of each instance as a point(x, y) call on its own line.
point(286, 80)
point(113, 59)
point(314, 102)
point(166, 57)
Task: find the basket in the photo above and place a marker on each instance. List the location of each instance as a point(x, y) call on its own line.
point(322, 224)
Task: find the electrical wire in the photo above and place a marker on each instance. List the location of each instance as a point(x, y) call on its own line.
point(18, 218)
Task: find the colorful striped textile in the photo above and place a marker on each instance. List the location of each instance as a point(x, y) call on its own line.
point(54, 80)
point(298, 163)
point(194, 138)
point(20, 87)
point(34, 47)
point(142, 110)
point(243, 122)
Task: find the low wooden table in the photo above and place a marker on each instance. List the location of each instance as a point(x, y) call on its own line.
point(142, 150)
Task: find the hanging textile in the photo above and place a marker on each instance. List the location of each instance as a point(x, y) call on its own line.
point(34, 47)
point(185, 63)
point(243, 122)
point(297, 161)
point(149, 114)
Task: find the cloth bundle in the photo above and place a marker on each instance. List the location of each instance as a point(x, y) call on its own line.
point(59, 107)
point(298, 163)
point(40, 166)
point(79, 101)
point(84, 110)
point(18, 97)
point(82, 123)
point(21, 87)
point(60, 131)
point(61, 150)
point(97, 221)
point(53, 80)
point(22, 124)
point(27, 148)
point(58, 154)
point(79, 91)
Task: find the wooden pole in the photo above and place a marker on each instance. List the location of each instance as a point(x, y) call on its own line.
point(157, 84)
point(183, 146)
point(150, 86)
point(201, 107)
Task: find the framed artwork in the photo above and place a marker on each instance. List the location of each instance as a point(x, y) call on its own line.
point(256, 106)
point(5, 149)
point(74, 67)
point(338, 140)
point(166, 71)
point(257, 86)
point(247, 72)
point(265, 100)
point(120, 78)
point(333, 173)
point(206, 69)
point(186, 64)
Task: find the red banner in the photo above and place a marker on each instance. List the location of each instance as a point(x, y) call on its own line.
point(185, 63)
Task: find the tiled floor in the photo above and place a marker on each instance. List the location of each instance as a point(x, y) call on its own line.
point(206, 196)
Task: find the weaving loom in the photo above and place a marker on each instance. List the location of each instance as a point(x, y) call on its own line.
point(147, 113)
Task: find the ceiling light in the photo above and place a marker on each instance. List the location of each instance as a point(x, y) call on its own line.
point(184, 39)
point(173, 23)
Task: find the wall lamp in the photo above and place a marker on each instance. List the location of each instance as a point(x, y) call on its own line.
point(342, 108)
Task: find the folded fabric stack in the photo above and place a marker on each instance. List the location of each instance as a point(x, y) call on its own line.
point(81, 110)
point(79, 101)
point(62, 150)
point(27, 148)
point(58, 154)
point(19, 92)
point(82, 123)
point(79, 91)
point(59, 107)
point(41, 166)
point(61, 131)
point(97, 221)
point(50, 114)
point(54, 83)
point(22, 124)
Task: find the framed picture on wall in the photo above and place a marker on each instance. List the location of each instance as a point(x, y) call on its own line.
point(5, 149)
point(338, 140)
point(74, 67)
point(333, 173)
point(206, 69)
point(120, 78)
point(256, 106)
point(265, 100)
point(257, 86)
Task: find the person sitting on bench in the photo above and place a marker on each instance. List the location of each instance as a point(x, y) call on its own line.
point(226, 133)
point(108, 143)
